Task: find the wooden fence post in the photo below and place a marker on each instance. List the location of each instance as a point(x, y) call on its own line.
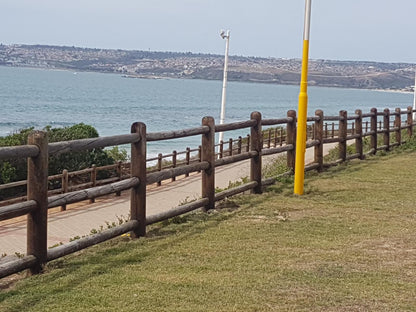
point(174, 158)
point(138, 169)
point(187, 159)
point(319, 135)
point(373, 126)
point(291, 139)
point(240, 142)
point(159, 166)
point(256, 145)
point(199, 155)
point(398, 125)
point(359, 131)
point(410, 121)
point(37, 189)
point(248, 143)
point(119, 174)
point(208, 155)
point(64, 185)
point(221, 149)
point(342, 134)
point(93, 180)
point(386, 129)
point(230, 147)
point(313, 131)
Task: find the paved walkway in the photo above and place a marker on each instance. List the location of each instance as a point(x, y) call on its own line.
point(79, 219)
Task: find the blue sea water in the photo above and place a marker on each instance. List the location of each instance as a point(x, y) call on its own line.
point(111, 103)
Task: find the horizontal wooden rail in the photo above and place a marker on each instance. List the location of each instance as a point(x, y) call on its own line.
point(79, 172)
point(332, 118)
point(87, 144)
point(55, 177)
point(176, 211)
point(107, 181)
point(330, 140)
point(381, 131)
point(235, 125)
point(22, 151)
point(80, 186)
point(273, 122)
point(369, 133)
point(13, 200)
point(277, 150)
point(353, 156)
point(352, 117)
point(17, 265)
point(17, 210)
point(12, 184)
point(271, 181)
point(367, 115)
point(173, 172)
point(312, 166)
point(235, 158)
point(353, 136)
point(176, 134)
point(235, 190)
point(107, 167)
point(312, 143)
point(88, 241)
point(73, 197)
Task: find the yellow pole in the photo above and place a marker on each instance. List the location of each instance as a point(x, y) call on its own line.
point(302, 108)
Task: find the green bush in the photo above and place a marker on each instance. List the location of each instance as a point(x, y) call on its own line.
point(16, 169)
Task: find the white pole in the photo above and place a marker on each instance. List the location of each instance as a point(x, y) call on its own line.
point(414, 99)
point(224, 81)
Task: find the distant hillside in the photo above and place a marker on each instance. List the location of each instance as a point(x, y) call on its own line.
point(144, 64)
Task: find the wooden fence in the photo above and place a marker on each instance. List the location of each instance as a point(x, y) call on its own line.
point(38, 150)
point(81, 179)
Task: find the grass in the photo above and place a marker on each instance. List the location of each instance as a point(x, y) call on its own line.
point(348, 244)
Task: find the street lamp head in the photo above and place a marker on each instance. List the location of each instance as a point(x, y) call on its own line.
point(225, 35)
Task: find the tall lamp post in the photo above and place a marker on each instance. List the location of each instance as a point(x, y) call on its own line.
point(414, 99)
point(303, 107)
point(225, 36)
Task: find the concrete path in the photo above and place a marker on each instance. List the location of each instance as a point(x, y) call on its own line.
point(79, 219)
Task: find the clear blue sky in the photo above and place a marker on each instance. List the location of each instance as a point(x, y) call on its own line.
point(374, 30)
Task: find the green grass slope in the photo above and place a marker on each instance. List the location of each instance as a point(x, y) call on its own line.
point(348, 244)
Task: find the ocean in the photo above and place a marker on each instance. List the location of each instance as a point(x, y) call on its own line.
point(111, 103)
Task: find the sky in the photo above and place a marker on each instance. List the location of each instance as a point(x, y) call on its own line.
point(367, 30)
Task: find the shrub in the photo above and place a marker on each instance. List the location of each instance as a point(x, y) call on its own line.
point(16, 169)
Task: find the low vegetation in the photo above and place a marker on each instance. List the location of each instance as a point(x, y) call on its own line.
point(348, 244)
point(16, 169)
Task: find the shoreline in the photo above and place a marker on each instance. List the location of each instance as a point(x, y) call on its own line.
point(156, 77)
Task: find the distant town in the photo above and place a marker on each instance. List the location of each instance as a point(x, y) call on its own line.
point(156, 65)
